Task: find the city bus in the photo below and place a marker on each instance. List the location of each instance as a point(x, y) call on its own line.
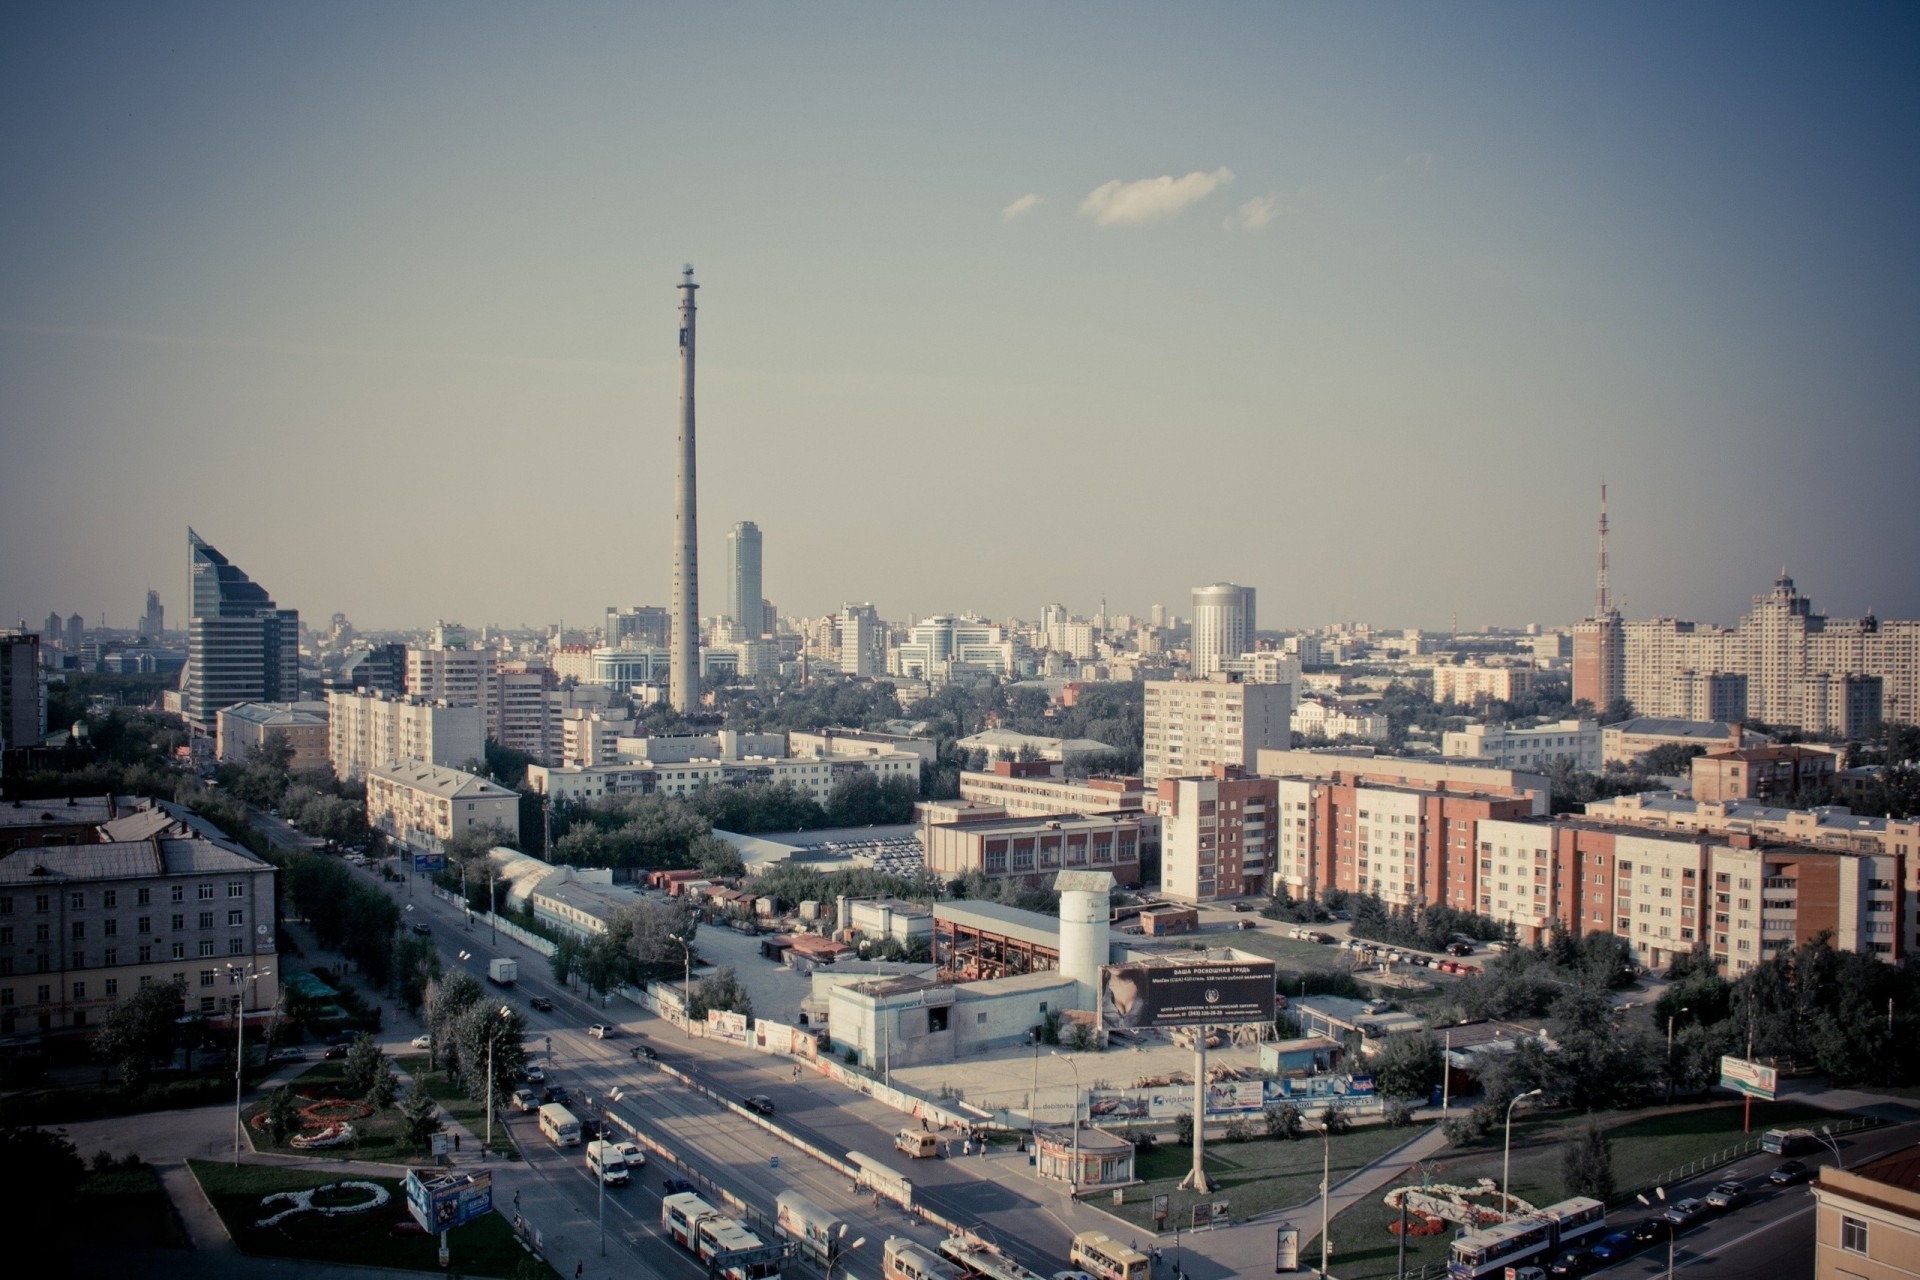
point(716, 1237)
point(1532, 1239)
point(560, 1125)
point(1100, 1255)
point(906, 1260)
point(1578, 1222)
point(681, 1213)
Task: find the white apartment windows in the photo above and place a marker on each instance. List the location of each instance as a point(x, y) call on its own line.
point(143, 897)
point(112, 986)
point(178, 893)
point(236, 888)
point(77, 900)
point(1853, 1234)
point(109, 898)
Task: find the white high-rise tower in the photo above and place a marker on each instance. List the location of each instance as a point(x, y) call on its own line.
point(1222, 625)
point(683, 679)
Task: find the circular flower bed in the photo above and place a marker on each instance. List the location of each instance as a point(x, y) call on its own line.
point(332, 1135)
point(323, 1119)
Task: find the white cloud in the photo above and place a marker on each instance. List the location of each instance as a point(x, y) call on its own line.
point(1025, 204)
point(1257, 213)
point(1134, 204)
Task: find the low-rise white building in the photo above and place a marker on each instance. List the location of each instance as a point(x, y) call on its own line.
point(1332, 720)
point(1537, 747)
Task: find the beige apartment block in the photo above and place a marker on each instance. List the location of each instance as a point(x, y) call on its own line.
point(1867, 1219)
point(1193, 725)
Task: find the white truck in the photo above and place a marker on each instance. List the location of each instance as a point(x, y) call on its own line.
point(503, 972)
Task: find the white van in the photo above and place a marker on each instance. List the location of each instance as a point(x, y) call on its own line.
point(560, 1125)
point(607, 1164)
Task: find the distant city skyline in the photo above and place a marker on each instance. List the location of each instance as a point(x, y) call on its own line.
point(1355, 307)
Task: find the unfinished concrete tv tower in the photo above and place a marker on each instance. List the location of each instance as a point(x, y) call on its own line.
point(683, 679)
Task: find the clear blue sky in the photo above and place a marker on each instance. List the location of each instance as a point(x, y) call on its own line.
point(380, 299)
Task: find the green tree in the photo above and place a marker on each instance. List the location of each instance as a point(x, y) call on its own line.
point(1283, 1120)
point(365, 1062)
point(40, 1173)
point(137, 1035)
point(283, 1113)
point(1586, 1162)
point(720, 990)
point(565, 960)
point(420, 1114)
point(385, 1087)
point(1408, 1066)
point(416, 962)
point(716, 859)
point(490, 1025)
point(446, 1002)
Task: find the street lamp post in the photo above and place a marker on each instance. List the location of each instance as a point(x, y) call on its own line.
point(1670, 1020)
point(505, 1013)
point(1326, 1186)
point(1076, 1117)
point(839, 1255)
point(686, 985)
point(1506, 1158)
point(238, 976)
point(601, 1175)
point(1826, 1135)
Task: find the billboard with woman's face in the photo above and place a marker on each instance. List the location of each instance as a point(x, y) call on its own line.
point(1206, 992)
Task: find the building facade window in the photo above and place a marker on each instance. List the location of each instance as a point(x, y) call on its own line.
point(1853, 1234)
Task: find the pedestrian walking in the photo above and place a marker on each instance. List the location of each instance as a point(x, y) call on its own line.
point(456, 1142)
point(516, 1199)
point(579, 1269)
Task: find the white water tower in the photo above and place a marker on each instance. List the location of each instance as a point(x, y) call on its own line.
point(1085, 908)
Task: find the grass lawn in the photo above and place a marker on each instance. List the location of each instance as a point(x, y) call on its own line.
point(382, 1237)
point(380, 1137)
point(129, 1208)
point(454, 1101)
point(1645, 1146)
point(1265, 1173)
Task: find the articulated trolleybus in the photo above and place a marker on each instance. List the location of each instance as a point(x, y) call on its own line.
point(705, 1232)
point(1529, 1240)
point(907, 1260)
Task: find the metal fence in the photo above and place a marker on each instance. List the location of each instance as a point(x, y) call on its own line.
point(1727, 1155)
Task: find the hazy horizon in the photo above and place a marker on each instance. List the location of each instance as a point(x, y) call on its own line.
point(999, 306)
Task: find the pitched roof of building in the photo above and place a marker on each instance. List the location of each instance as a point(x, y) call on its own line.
point(122, 860)
point(439, 779)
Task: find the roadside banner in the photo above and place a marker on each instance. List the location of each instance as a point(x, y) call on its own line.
point(1755, 1079)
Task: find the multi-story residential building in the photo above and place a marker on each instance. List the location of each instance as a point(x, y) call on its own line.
point(456, 675)
point(1624, 741)
point(1193, 725)
point(1330, 720)
point(1035, 850)
point(1265, 666)
point(23, 698)
point(682, 764)
point(522, 719)
point(1223, 626)
point(1867, 1219)
point(1763, 773)
point(1599, 660)
point(245, 727)
point(646, 626)
point(1036, 788)
point(422, 805)
point(1408, 840)
point(591, 737)
point(1535, 747)
point(743, 579)
point(241, 647)
point(1419, 773)
point(1218, 835)
point(369, 729)
point(380, 669)
point(1794, 663)
point(153, 895)
point(862, 640)
point(1831, 827)
point(1470, 684)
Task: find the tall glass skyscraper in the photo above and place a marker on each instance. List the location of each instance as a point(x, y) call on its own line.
point(241, 647)
point(1222, 625)
point(743, 578)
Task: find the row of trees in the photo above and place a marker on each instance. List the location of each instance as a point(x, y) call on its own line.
point(1426, 928)
point(345, 914)
point(464, 1023)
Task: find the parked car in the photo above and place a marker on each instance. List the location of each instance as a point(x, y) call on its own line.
point(287, 1055)
point(1728, 1195)
point(422, 1042)
point(536, 1074)
point(334, 1051)
point(1648, 1230)
point(541, 1003)
point(599, 1031)
point(1574, 1262)
point(1684, 1213)
point(1613, 1247)
point(1459, 949)
point(525, 1099)
point(1789, 1173)
point(632, 1154)
point(758, 1103)
point(671, 1185)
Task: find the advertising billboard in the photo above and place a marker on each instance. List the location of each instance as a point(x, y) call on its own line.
point(1754, 1079)
point(445, 1202)
point(1207, 992)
